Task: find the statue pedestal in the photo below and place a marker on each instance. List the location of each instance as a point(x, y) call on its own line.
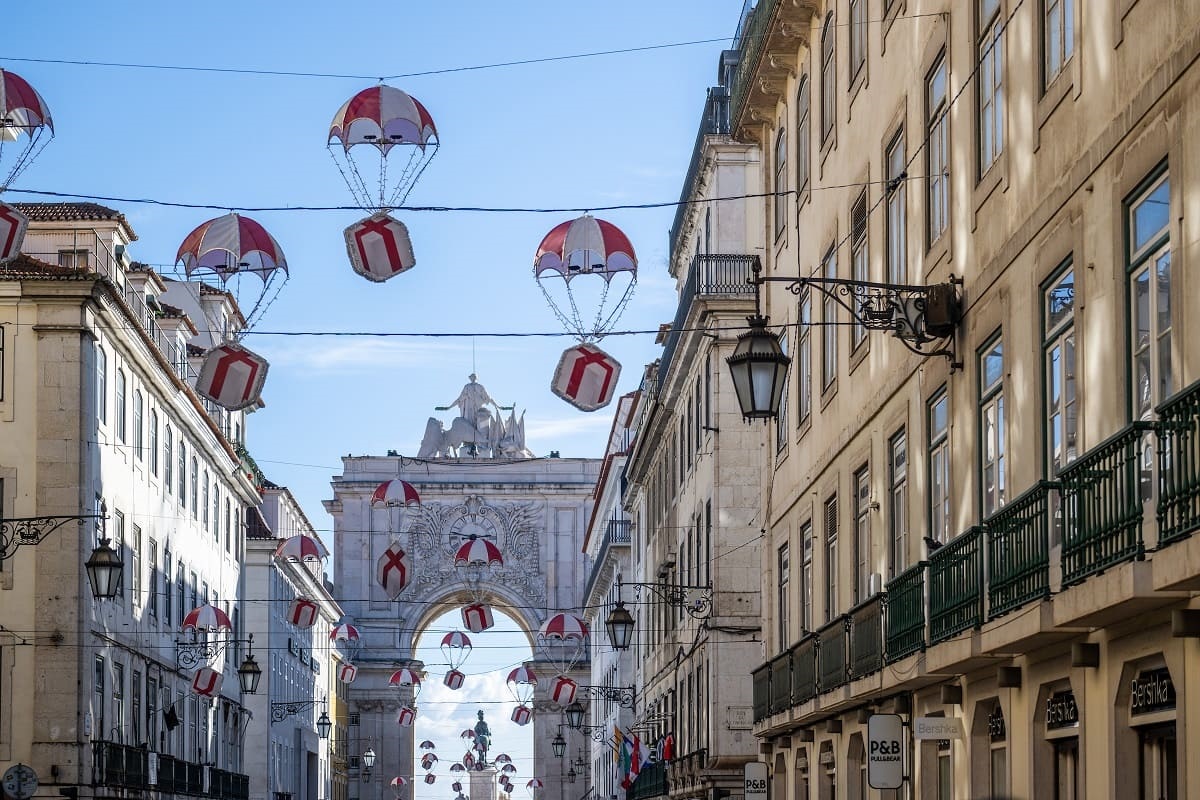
point(483, 784)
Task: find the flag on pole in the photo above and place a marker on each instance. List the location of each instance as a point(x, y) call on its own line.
point(618, 742)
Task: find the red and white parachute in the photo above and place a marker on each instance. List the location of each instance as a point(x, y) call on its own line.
point(25, 126)
point(586, 268)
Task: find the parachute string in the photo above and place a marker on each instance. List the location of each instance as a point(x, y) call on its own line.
point(383, 170)
point(37, 142)
point(576, 317)
point(354, 181)
point(405, 180)
point(262, 303)
point(597, 332)
point(423, 166)
point(562, 318)
point(617, 311)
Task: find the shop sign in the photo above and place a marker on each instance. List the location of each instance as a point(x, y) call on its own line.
point(1061, 711)
point(756, 780)
point(995, 722)
point(1151, 690)
point(938, 728)
point(885, 751)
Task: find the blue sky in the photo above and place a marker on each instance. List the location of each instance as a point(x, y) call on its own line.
point(608, 130)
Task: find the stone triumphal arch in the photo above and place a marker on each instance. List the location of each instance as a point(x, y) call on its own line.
point(475, 478)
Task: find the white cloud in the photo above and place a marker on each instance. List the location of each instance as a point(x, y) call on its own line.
point(317, 354)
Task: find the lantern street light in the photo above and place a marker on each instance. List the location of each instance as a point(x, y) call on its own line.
point(249, 673)
point(104, 566)
point(558, 745)
point(923, 318)
point(104, 569)
point(571, 775)
point(695, 600)
point(324, 725)
point(368, 762)
point(574, 713)
point(620, 627)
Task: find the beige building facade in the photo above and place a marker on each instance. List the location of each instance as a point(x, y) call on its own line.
point(1001, 537)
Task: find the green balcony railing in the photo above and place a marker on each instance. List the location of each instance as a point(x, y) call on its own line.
point(956, 586)
point(119, 765)
point(761, 679)
point(804, 669)
point(1102, 505)
point(832, 644)
point(1179, 466)
point(904, 622)
point(781, 683)
point(1019, 550)
point(866, 637)
point(650, 782)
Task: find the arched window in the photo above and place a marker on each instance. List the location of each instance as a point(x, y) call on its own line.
point(828, 79)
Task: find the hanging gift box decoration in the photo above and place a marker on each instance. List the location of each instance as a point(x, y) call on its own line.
point(394, 568)
point(379, 247)
point(454, 679)
point(562, 690)
point(232, 376)
point(406, 717)
point(347, 673)
point(522, 714)
point(13, 225)
point(586, 377)
point(302, 613)
point(477, 617)
point(207, 682)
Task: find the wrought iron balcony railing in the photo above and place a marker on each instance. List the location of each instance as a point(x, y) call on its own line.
point(831, 654)
point(804, 669)
point(1102, 505)
point(761, 688)
point(956, 586)
point(904, 622)
point(1178, 509)
point(866, 637)
point(780, 671)
point(1019, 550)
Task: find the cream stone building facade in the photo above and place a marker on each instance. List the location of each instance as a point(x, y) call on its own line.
point(692, 491)
point(1001, 538)
point(97, 411)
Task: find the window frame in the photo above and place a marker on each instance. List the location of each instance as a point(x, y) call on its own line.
point(804, 376)
point(993, 441)
point(783, 599)
point(829, 310)
point(1139, 259)
point(862, 533)
point(807, 546)
point(829, 514)
point(898, 522)
point(937, 152)
point(1064, 47)
point(896, 198)
point(828, 79)
point(779, 197)
point(803, 138)
point(990, 111)
point(858, 38)
point(1059, 335)
point(120, 401)
point(860, 265)
point(938, 448)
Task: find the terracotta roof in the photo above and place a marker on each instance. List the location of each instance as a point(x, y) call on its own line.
point(26, 266)
point(73, 212)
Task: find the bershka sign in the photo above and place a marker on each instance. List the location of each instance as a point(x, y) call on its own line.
point(756, 780)
point(885, 751)
point(938, 728)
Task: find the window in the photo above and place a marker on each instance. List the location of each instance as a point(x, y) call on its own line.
point(1058, 37)
point(991, 426)
point(1149, 259)
point(1066, 768)
point(73, 259)
point(990, 83)
point(828, 79)
point(898, 503)
point(102, 385)
point(181, 609)
point(859, 268)
point(228, 526)
point(806, 577)
point(153, 445)
point(858, 37)
point(937, 152)
point(804, 358)
point(139, 440)
point(829, 324)
point(1062, 411)
point(152, 712)
point(781, 423)
point(118, 695)
point(204, 505)
point(780, 183)
point(195, 488)
point(784, 600)
point(119, 402)
point(182, 474)
point(152, 595)
point(897, 211)
point(939, 467)
point(831, 558)
point(168, 461)
point(862, 534)
point(998, 762)
point(803, 136)
point(101, 699)
point(166, 585)
point(135, 547)
point(119, 546)
point(135, 694)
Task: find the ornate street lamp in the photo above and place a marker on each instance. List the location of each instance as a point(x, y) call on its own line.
point(574, 713)
point(104, 570)
point(558, 745)
point(759, 369)
point(324, 725)
point(368, 762)
point(249, 674)
point(620, 628)
point(923, 318)
point(571, 775)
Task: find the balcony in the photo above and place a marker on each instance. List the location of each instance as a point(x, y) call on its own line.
point(1179, 466)
point(119, 765)
point(804, 670)
point(904, 624)
point(1102, 506)
point(651, 782)
point(768, 40)
point(617, 532)
point(228, 785)
point(715, 122)
point(1019, 551)
point(956, 586)
point(709, 276)
point(866, 637)
point(831, 654)
point(761, 688)
point(779, 693)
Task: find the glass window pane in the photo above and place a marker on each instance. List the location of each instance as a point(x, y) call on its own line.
point(1149, 216)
